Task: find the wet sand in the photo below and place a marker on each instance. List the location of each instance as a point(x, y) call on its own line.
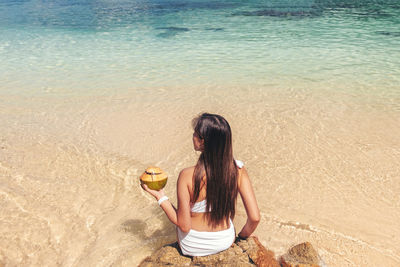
point(324, 166)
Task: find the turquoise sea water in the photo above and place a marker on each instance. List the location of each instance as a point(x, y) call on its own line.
point(96, 47)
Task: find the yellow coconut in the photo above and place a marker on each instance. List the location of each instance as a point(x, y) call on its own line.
point(154, 178)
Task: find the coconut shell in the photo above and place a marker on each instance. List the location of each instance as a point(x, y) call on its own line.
point(154, 178)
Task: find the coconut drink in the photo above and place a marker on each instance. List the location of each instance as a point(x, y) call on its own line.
point(154, 178)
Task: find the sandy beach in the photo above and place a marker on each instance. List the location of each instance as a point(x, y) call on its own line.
point(325, 170)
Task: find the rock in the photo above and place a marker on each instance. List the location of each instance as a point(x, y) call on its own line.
point(233, 256)
point(245, 253)
point(301, 255)
point(168, 255)
point(258, 253)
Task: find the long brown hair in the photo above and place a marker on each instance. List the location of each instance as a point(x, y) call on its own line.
point(217, 164)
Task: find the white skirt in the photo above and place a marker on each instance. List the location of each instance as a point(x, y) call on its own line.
point(197, 243)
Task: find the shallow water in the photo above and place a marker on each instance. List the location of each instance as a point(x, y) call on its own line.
point(91, 93)
point(106, 47)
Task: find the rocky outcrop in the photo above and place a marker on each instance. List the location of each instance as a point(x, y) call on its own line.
point(243, 253)
point(168, 255)
point(301, 255)
point(257, 253)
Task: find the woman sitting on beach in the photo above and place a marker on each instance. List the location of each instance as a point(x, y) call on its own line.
point(207, 192)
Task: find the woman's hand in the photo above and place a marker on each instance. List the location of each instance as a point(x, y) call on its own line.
point(154, 193)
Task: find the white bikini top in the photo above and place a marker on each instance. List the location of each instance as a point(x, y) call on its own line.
point(200, 206)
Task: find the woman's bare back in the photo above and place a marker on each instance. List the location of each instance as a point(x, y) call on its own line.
point(199, 219)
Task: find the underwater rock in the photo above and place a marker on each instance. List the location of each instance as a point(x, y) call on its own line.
point(176, 29)
point(395, 34)
point(215, 29)
point(171, 31)
point(279, 13)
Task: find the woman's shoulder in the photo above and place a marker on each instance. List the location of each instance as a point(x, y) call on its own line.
point(187, 173)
